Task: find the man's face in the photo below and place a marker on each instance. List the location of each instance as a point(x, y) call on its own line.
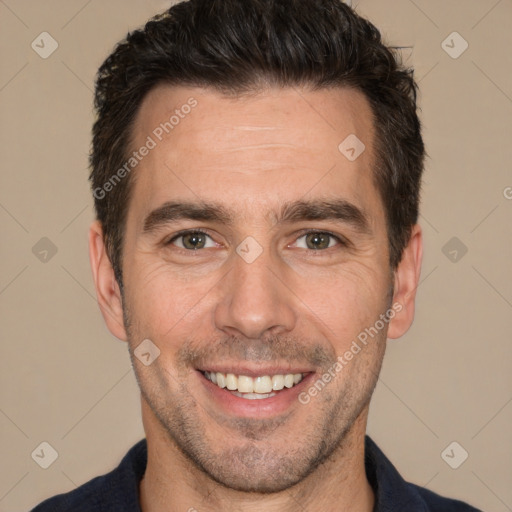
point(258, 293)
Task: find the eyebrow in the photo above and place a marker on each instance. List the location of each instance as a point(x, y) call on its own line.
point(337, 209)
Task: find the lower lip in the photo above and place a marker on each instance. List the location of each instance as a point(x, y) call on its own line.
point(261, 408)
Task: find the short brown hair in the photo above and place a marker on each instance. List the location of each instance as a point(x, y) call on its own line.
point(235, 46)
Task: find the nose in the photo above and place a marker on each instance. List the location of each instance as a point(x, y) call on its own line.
point(255, 299)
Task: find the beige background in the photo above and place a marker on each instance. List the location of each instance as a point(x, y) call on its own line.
point(65, 380)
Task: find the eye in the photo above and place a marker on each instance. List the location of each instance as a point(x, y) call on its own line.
point(192, 240)
point(318, 240)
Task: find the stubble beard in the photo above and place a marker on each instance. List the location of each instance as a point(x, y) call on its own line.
point(252, 465)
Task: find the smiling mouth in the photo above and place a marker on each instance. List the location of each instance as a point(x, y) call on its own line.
point(254, 388)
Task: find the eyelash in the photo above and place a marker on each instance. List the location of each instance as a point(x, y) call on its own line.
point(341, 242)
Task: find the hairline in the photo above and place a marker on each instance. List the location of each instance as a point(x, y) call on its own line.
point(258, 86)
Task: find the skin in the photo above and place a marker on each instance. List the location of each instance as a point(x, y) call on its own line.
point(290, 306)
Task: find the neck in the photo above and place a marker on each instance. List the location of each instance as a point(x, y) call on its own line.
point(173, 483)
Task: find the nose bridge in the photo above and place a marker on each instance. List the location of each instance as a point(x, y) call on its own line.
point(253, 297)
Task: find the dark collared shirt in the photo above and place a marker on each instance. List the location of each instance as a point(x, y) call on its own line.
point(118, 491)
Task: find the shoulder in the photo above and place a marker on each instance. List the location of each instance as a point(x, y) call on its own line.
point(89, 496)
point(114, 491)
point(394, 494)
point(437, 503)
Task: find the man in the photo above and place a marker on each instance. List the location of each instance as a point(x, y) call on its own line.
point(256, 168)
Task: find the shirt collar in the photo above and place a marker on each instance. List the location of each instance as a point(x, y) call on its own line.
point(392, 493)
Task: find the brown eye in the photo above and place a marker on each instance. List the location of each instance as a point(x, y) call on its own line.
point(192, 240)
point(316, 241)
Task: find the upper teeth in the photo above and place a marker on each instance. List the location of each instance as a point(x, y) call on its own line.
point(245, 384)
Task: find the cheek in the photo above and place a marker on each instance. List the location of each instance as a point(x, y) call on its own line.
point(164, 302)
point(345, 301)
point(337, 302)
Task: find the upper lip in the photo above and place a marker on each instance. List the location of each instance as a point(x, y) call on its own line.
point(255, 371)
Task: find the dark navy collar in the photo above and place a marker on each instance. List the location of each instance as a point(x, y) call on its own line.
point(118, 491)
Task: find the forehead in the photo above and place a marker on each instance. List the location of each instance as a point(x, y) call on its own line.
point(253, 151)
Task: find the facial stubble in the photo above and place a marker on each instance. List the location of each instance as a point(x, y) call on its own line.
point(243, 456)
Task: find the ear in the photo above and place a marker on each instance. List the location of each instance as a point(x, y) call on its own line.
point(107, 289)
point(407, 277)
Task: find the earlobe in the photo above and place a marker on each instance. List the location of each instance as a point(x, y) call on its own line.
point(407, 277)
point(107, 289)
